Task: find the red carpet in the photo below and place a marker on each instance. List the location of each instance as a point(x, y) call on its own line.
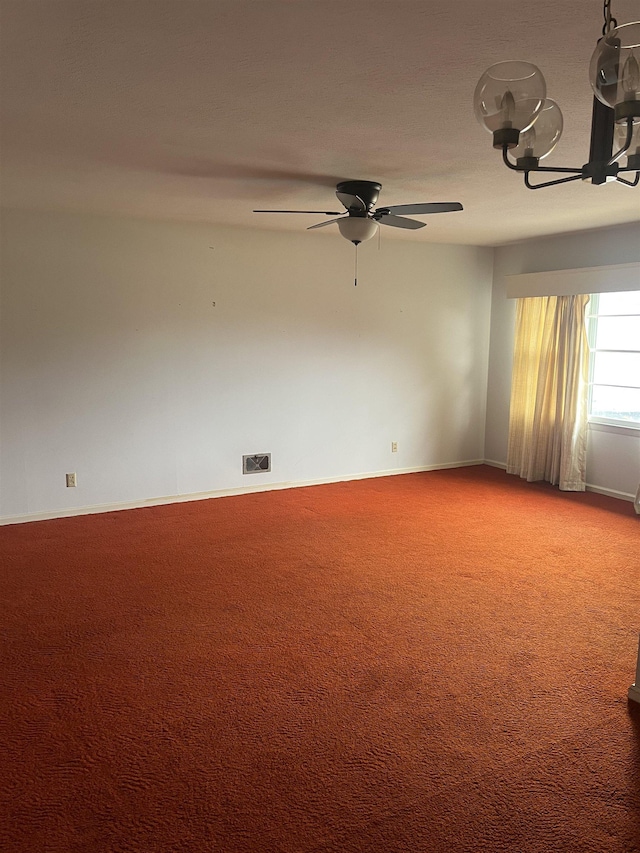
point(424, 663)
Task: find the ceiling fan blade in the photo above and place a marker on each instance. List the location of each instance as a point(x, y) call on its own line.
point(322, 224)
point(399, 221)
point(351, 202)
point(429, 207)
point(325, 212)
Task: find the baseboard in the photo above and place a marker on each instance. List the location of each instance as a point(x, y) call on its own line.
point(222, 493)
point(601, 490)
point(612, 493)
point(244, 490)
point(634, 693)
point(495, 464)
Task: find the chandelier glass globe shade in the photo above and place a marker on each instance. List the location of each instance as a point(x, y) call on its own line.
point(509, 95)
point(542, 137)
point(614, 72)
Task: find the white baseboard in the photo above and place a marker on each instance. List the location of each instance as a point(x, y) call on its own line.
point(495, 464)
point(634, 693)
point(601, 490)
point(244, 490)
point(612, 493)
point(222, 493)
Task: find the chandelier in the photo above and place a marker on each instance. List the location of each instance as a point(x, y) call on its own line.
point(511, 102)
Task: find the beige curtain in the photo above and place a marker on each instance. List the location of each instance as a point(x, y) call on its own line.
point(548, 415)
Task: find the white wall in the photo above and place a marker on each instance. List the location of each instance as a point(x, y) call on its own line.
point(116, 365)
point(613, 455)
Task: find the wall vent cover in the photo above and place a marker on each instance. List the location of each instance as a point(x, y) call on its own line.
point(256, 463)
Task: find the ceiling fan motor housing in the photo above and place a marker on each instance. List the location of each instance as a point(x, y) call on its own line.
point(360, 192)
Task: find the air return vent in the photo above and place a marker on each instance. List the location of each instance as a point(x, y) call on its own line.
point(259, 462)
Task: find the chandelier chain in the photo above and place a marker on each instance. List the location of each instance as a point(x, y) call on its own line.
point(609, 21)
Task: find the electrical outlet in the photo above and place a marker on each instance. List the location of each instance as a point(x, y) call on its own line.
point(71, 481)
point(394, 446)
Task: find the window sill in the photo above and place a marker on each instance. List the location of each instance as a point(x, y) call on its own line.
point(617, 429)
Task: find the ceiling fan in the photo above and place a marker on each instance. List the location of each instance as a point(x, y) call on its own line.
point(359, 221)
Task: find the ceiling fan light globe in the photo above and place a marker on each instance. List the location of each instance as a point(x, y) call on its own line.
point(544, 134)
point(614, 71)
point(357, 229)
point(509, 95)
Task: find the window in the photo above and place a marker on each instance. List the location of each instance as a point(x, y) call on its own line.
point(614, 368)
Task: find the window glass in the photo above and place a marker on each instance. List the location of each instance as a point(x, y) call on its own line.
point(617, 368)
point(619, 303)
point(618, 333)
point(616, 403)
point(614, 372)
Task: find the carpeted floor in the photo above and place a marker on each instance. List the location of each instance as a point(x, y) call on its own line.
point(430, 663)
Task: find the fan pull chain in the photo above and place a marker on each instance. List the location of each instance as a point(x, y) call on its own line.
point(355, 277)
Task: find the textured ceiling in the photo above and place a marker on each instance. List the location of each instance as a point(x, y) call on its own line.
point(202, 110)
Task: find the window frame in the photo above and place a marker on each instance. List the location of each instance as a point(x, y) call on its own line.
point(592, 315)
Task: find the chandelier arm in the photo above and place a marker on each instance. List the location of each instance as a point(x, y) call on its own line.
point(550, 183)
point(627, 143)
point(559, 170)
point(630, 183)
point(506, 160)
